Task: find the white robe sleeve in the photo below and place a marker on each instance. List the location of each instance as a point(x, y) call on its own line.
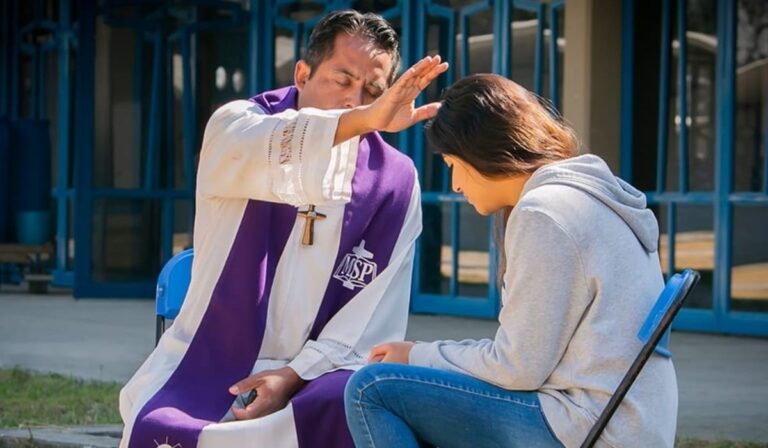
point(286, 158)
point(377, 314)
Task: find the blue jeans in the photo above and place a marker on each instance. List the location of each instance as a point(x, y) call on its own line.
point(402, 406)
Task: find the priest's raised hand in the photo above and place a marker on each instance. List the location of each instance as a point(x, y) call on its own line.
point(395, 109)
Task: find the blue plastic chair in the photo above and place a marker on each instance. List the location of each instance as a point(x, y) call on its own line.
point(655, 335)
point(172, 286)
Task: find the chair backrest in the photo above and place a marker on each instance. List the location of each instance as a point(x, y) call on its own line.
point(172, 284)
point(675, 290)
point(654, 329)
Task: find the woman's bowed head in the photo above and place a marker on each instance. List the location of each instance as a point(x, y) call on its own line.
point(493, 134)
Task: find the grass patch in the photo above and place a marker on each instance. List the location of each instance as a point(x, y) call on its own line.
point(32, 399)
point(694, 443)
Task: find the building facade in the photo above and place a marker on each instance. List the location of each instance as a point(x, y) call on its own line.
point(671, 93)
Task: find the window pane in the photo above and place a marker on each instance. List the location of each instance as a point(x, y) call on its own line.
point(751, 91)
point(126, 240)
point(694, 247)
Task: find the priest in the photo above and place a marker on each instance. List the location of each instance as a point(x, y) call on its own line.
point(304, 235)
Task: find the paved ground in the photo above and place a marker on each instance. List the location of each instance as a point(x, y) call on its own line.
point(723, 380)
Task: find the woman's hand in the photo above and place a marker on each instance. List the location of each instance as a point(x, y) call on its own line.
point(395, 109)
point(395, 352)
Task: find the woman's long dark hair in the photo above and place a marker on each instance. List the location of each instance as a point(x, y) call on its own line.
point(500, 129)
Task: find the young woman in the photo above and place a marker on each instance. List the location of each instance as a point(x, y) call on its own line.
point(581, 273)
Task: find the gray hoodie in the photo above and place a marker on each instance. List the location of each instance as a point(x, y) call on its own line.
point(582, 273)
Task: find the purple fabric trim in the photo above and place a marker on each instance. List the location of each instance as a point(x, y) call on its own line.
point(380, 200)
point(277, 101)
point(197, 394)
point(381, 193)
point(321, 421)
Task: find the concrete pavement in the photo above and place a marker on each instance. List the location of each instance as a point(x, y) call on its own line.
point(723, 380)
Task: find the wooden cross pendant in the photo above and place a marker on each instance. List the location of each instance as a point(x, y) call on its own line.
point(310, 216)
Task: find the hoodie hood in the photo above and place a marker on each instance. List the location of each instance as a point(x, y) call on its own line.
point(591, 175)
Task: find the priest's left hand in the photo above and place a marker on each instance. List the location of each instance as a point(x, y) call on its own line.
point(396, 352)
point(273, 390)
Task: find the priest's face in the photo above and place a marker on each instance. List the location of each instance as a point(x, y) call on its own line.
point(355, 74)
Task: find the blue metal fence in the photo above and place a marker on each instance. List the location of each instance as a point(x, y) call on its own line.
point(158, 26)
point(456, 23)
point(719, 316)
point(462, 31)
point(29, 41)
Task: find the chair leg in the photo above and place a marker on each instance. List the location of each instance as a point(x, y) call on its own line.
point(159, 329)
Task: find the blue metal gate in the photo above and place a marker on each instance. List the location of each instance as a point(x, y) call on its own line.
point(150, 212)
point(127, 197)
point(453, 273)
point(457, 276)
point(32, 42)
point(709, 165)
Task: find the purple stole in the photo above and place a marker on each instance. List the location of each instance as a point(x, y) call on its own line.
point(196, 394)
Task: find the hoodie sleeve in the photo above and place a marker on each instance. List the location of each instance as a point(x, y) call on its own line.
point(544, 297)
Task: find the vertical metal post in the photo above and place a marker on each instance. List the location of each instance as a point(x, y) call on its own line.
point(538, 63)
point(416, 134)
point(188, 110)
point(84, 118)
point(666, 46)
point(627, 87)
point(464, 25)
point(671, 232)
point(502, 45)
point(268, 56)
point(40, 53)
point(554, 53)
point(765, 137)
point(138, 99)
point(169, 146)
point(725, 135)
point(35, 80)
point(15, 60)
point(256, 44)
point(154, 136)
point(62, 141)
point(411, 24)
point(5, 42)
point(682, 94)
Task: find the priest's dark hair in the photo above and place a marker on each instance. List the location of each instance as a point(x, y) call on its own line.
point(370, 26)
